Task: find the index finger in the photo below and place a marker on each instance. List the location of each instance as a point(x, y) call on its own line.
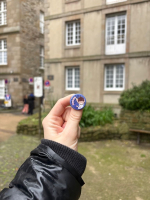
point(60, 106)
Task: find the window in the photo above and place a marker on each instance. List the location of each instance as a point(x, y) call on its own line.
point(73, 78)
point(114, 1)
point(73, 33)
point(116, 34)
point(3, 52)
point(41, 57)
point(114, 77)
point(2, 89)
point(3, 13)
point(42, 22)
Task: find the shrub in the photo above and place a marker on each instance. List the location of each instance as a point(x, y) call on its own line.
point(93, 117)
point(137, 98)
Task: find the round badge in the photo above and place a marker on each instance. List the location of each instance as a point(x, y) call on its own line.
point(78, 101)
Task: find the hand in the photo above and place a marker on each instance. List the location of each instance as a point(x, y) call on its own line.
point(62, 124)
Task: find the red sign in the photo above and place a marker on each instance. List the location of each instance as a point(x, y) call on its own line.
point(31, 81)
point(47, 83)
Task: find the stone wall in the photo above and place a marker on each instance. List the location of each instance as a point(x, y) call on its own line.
point(119, 129)
point(31, 40)
point(136, 119)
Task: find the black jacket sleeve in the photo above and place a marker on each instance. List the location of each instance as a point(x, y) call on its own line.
point(47, 175)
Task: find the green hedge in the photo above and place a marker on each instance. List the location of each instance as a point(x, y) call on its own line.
point(137, 98)
point(92, 117)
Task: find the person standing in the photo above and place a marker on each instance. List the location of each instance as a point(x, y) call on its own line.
point(26, 105)
point(31, 99)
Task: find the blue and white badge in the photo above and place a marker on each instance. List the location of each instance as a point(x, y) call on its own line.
point(78, 101)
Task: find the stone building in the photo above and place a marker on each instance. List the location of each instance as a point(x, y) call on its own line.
point(96, 47)
point(21, 46)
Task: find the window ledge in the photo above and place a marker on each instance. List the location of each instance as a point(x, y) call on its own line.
point(3, 25)
point(73, 47)
point(42, 68)
point(71, 1)
point(3, 65)
point(72, 91)
point(113, 92)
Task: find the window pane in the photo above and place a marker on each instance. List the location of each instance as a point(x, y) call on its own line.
point(1, 61)
point(5, 18)
point(77, 33)
point(77, 77)
point(110, 31)
point(5, 44)
point(109, 76)
point(5, 5)
point(5, 57)
point(1, 83)
point(2, 92)
point(121, 30)
point(119, 76)
point(70, 78)
point(70, 33)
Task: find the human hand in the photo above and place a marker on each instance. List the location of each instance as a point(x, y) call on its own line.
point(62, 124)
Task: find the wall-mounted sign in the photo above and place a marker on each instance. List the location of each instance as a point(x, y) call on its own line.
point(50, 77)
point(24, 80)
point(47, 84)
point(6, 81)
point(7, 101)
point(15, 79)
point(31, 81)
point(38, 86)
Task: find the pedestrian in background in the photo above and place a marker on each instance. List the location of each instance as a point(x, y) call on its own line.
point(26, 105)
point(31, 99)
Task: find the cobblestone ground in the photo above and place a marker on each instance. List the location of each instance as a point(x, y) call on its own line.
point(8, 124)
point(13, 153)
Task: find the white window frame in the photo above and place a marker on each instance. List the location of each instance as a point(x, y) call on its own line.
point(73, 78)
point(41, 22)
point(3, 12)
point(74, 33)
point(2, 89)
point(3, 52)
point(41, 57)
point(114, 88)
point(115, 48)
point(114, 1)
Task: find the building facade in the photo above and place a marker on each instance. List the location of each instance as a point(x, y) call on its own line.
point(21, 46)
point(96, 47)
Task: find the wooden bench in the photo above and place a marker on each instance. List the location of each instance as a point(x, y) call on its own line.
point(139, 133)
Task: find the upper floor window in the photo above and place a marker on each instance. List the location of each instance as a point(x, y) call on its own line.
point(3, 52)
point(42, 22)
point(73, 78)
point(3, 12)
point(114, 1)
point(73, 33)
point(114, 77)
point(41, 57)
point(116, 34)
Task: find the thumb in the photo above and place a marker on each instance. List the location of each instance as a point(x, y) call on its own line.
point(72, 125)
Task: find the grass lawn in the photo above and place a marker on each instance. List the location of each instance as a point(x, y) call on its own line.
point(115, 170)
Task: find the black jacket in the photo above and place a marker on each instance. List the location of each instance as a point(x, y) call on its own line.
point(47, 175)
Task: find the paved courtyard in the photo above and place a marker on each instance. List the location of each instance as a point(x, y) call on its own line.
point(8, 124)
point(116, 170)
